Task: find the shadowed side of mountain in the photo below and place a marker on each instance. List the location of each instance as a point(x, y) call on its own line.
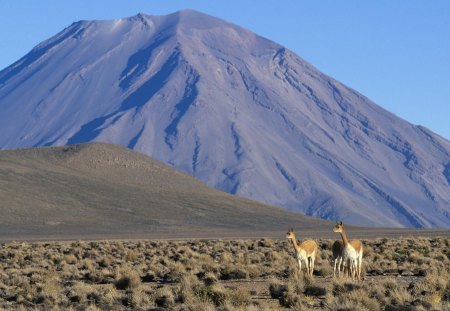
point(100, 190)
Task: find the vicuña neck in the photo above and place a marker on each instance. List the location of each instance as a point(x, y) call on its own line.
point(344, 237)
point(294, 242)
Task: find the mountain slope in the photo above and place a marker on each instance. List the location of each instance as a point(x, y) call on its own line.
point(237, 111)
point(107, 190)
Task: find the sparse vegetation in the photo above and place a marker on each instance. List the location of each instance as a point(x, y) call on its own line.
point(398, 274)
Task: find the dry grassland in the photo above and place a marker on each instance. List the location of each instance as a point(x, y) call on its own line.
point(399, 274)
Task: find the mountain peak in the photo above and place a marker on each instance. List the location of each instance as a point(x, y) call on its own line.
point(181, 15)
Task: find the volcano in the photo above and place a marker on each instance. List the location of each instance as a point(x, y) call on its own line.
point(237, 111)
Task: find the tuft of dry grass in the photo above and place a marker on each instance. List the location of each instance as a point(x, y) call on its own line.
point(70, 259)
point(127, 278)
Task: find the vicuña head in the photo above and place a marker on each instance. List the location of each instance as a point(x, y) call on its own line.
point(290, 234)
point(339, 227)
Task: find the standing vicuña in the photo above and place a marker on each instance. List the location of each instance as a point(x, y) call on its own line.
point(353, 252)
point(305, 251)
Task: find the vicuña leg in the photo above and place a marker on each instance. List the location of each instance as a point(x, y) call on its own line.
point(359, 267)
point(308, 265)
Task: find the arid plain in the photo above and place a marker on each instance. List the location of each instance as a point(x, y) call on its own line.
point(409, 273)
point(100, 227)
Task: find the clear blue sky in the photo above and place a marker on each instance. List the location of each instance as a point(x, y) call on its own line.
point(395, 52)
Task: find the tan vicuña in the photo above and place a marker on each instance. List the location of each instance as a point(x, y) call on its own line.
point(305, 251)
point(352, 252)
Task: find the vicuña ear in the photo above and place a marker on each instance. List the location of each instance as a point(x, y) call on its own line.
point(340, 223)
